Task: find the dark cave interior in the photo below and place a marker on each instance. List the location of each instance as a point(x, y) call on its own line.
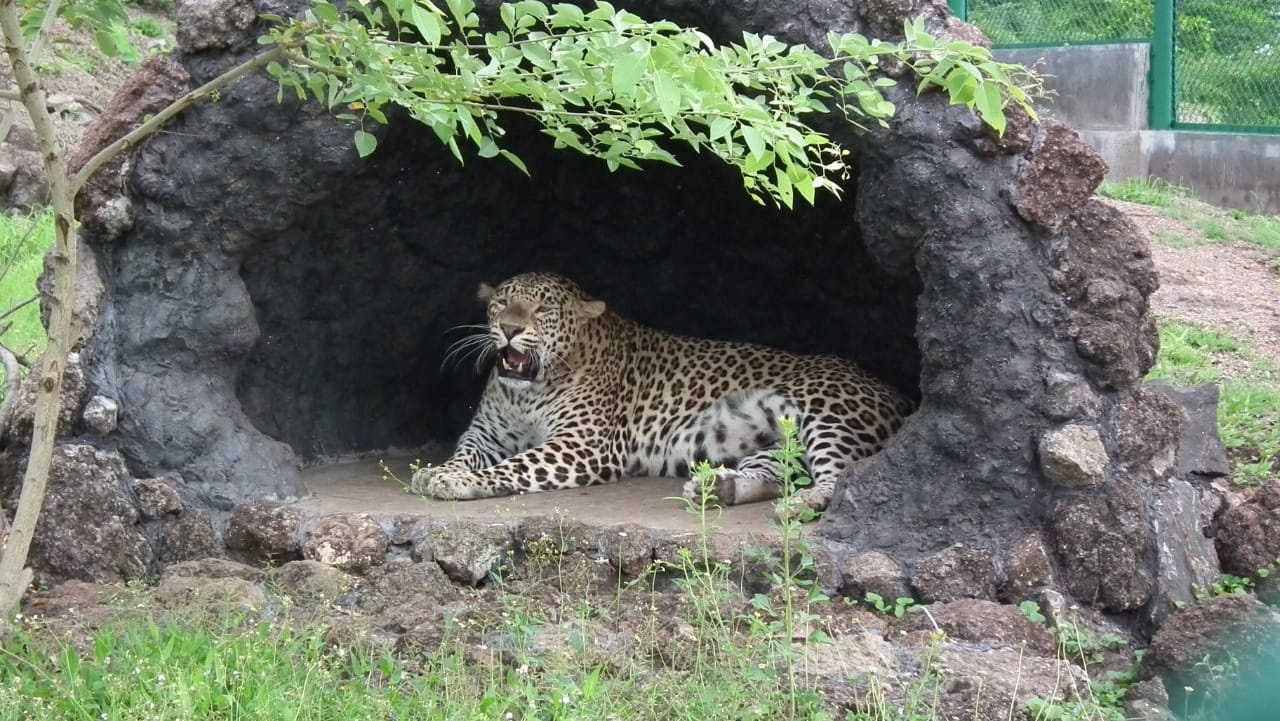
point(358, 300)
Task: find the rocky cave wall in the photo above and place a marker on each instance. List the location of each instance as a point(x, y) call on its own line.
point(258, 297)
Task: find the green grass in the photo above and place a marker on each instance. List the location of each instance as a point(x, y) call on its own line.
point(1249, 406)
point(26, 335)
point(1146, 191)
point(144, 669)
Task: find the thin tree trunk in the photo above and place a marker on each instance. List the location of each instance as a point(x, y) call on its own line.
point(14, 575)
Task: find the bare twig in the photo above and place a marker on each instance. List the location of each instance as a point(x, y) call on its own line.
point(10, 311)
point(17, 248)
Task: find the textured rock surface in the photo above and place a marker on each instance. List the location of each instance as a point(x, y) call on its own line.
point(977, 620)
point(353, 542)
point(1073, 456)
point(955, 573)
point(89, 528)
point(1103, 546)
point(1249, 534)
point(1186, 559)
point(72, 396)
point(468, 553)
point(313, 580)
point(1026, 568)
point(265, 531)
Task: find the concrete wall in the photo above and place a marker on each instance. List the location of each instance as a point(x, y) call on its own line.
point(1102, 91)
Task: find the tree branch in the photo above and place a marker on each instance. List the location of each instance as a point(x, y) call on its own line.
point(14, 574)
point(154, 123)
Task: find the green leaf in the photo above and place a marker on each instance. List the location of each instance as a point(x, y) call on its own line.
point(720, 127)
point(515, 160)
point(488, 148)
point(991, 107)
point(784, 186)
point(429, 25)
point(755, 141)
point(366, 143)
point(627, 70)
point(667, 89)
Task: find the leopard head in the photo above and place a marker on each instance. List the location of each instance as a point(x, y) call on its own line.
point(535, 322)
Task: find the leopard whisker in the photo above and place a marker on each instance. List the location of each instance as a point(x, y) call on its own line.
point(465, 346)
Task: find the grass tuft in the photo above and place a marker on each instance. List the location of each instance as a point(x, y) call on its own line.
point(1146, 191)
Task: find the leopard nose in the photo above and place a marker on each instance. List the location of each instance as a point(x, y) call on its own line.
point(511, 331)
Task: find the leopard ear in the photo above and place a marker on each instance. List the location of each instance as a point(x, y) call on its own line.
point(592, 308)
point(486, 292)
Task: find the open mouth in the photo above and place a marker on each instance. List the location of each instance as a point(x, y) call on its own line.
point(514, 364)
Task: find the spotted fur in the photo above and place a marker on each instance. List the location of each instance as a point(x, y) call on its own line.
point(579, 396)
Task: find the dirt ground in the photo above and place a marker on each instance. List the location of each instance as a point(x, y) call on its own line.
point(1232, 287)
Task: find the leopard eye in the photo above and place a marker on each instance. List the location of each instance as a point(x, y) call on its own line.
point(542, 311)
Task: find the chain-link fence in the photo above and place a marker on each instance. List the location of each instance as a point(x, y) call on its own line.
point(1056, 22)
point(1227, 62)
point(1217, 62)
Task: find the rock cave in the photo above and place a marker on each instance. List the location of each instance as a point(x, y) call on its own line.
point(257, 300)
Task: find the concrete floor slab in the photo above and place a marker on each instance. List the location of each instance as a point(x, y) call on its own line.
point(359, 487)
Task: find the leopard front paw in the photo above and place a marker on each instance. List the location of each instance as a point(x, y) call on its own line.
point(447, 483)
point(721, 490)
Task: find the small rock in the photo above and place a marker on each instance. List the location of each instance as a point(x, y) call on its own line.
point(1249, 534)
point(978, 681)
point(875, 572)
point(1027, 568)
point(214, 568)
point(100, 415)
point(1147, 701)
point(954, 573)
point(1147, 426)
point(353, 542)
point(1185, 557)
point(24, 402)
point(1200, 449)
point(1073, 456)
point(210, 24)
point(209, 596)
point(313, 581)
point(89, 527)
point(264, 531)
point(468, 551)
point(156, 497)
point(1060, 174)
point(1069, 397)
point(401, 582)
point(188, 537)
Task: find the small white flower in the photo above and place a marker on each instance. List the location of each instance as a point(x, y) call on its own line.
point(566, 700)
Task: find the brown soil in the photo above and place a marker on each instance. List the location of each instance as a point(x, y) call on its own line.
point(1230, 287)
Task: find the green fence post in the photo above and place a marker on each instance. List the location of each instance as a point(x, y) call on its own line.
point(959, 8)
point(1161, 112)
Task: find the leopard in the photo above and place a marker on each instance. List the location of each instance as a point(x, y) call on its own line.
point(579, 396)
